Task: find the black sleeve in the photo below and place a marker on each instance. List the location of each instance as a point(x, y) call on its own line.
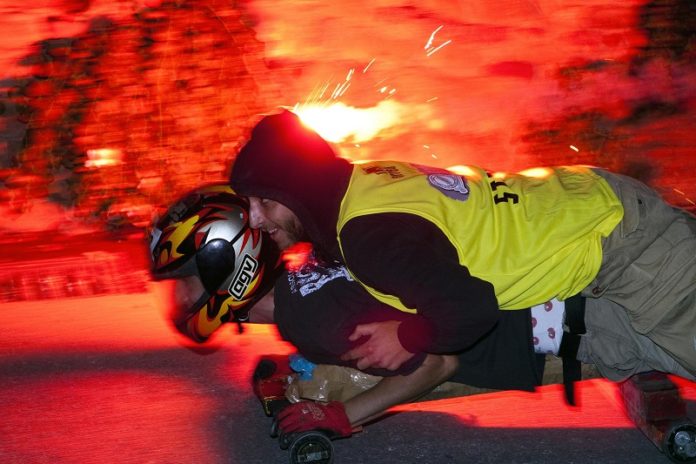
point(406, 256)
point(318, 312)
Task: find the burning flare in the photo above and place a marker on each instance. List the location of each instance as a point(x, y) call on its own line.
point(341, 123)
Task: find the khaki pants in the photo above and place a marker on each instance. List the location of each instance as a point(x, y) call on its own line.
point(641, 307)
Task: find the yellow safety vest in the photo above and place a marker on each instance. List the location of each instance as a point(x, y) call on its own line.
point(534, 235)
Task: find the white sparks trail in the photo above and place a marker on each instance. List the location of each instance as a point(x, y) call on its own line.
point(433, 50)
point(429, 43)
point(429, 49)
point(368, 65)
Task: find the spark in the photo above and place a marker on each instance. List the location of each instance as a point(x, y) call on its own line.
point(368, 65)
point(433, 50)
point(429, 44)
point(337, 91)
point(684, 195)
point(323, 91)
point(574, 148)
point(432, 38)
point(317, 93)
point(340, 90)
point(431, 100)
point(344, 89)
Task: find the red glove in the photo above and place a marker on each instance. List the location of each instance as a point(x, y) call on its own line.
point(270, 380)
point(307, 415)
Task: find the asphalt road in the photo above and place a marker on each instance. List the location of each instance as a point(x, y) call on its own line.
point(104, 380)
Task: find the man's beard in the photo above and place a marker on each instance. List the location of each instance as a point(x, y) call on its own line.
point(294, 233)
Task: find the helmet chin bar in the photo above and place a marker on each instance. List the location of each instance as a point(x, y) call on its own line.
point(189, 302)
point(185, 307)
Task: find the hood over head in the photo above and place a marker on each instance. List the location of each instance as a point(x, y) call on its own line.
point(287, 162)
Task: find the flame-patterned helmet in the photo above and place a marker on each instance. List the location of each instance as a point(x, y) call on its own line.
point(219, 265)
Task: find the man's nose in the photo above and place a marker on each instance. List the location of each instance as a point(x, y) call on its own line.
point(255, 216)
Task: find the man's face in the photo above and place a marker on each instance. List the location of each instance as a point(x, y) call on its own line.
point(275, 218)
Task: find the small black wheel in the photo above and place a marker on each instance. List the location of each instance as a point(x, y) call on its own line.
point(680, 443)
point(314, 447)
point(264, 370)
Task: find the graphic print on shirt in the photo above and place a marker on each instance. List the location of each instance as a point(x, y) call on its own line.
point(450, 184)
point(311, 277)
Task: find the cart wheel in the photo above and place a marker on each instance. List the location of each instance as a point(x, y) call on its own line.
point(680, 444)
point(312, 447)
point(264, 369)
point(274, 430)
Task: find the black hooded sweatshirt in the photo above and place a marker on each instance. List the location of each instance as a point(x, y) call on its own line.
point(395, 253)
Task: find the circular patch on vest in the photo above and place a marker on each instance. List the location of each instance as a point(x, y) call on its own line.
point(450, 185)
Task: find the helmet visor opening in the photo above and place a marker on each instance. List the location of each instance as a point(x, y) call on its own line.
point(184, 297)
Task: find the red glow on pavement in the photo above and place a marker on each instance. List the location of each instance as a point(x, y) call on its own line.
point(600, 406)
point(546, 406)
point(83, 415)
point(105, 378)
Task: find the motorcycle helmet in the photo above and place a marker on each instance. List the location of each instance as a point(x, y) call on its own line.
point(218, 265)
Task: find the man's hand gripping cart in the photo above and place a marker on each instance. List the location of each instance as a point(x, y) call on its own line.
point(270, 380)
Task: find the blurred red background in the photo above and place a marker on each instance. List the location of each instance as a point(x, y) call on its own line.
point(109, 108)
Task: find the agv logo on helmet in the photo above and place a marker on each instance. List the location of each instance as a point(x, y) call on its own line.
point(245, 274)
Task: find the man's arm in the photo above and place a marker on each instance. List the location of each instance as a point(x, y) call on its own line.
point(407, 256)
point(339, 419)
point(398, 389)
